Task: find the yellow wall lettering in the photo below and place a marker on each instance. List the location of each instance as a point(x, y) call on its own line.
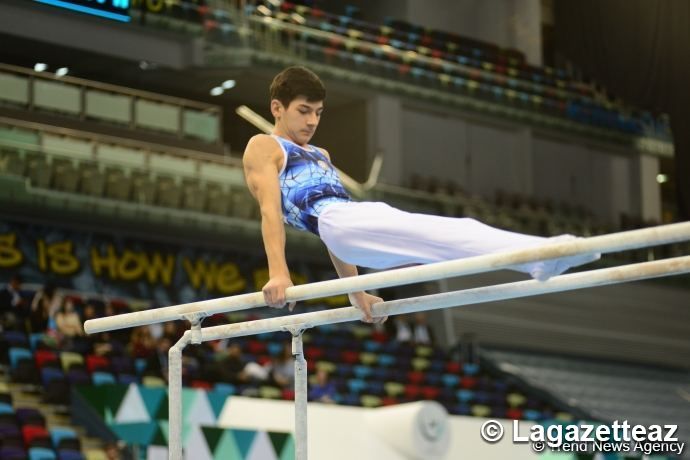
point(199, 273)
point(133, 265)
point(230, 279)
point(160, 269)
point(100, 262)
point(225, 278)
point(57, 257)
point(130, 267)
point(10, 256)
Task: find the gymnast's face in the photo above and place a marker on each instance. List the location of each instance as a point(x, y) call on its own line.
point(299, 120)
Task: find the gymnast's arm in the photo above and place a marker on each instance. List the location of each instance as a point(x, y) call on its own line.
point(262, 161)
point(360, 299)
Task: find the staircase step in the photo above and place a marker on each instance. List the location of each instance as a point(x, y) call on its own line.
point(30, 396)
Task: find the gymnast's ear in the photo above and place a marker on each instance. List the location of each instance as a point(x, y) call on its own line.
point(277, 108)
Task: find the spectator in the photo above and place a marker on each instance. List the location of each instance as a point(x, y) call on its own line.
point(282, 368)
point(90, 312)
point(105, 345)
point(47, 302)
point(141, 344)
point(421, 331)
point(157, 363)
point(67, 321)
point(400, 329)
point(124, 335)
point(230, 367)
point(13, 308)
point(69, 329)
point(172, 331)
point(411, 329)
point(113, 452)
point(323, 390)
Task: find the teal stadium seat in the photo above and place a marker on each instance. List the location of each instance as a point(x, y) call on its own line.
point(41, 453)
point(17, 354)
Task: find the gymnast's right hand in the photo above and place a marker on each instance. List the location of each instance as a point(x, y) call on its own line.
point(274, 291)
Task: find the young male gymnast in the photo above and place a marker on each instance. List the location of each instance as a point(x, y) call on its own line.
point(295, 183)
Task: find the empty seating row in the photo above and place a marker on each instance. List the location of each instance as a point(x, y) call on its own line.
point(109, 104)
point(115, 172)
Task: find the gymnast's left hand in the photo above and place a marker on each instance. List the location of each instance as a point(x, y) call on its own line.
point(274, 291)
point(364, 302)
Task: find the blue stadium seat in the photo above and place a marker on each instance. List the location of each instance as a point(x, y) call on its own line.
point(127, 379)
point(41, 453)
point(465, 396)
point(16, 354)
point(274, 348)
point(375, 388)
point(382, 374)
point(372, 346)
point(6, 408)
point(69, 454)
point(356, 385)
point(362, 372)
point(470, 369)
point(140, 365)
point(450, 380)
point(387, 360)
point(59, 433)
point(50, 374)
point(103, 378)
point(531, 414)
point(12, 453)
point(16, 339)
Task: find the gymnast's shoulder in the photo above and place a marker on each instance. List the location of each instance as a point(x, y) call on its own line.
point(263, 146)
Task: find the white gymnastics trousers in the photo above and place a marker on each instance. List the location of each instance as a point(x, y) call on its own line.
point(376, 235)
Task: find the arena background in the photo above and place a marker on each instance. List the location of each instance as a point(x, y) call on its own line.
point(121, 186)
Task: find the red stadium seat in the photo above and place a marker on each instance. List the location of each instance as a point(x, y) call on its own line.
point(32, 432)
point(468, 382)
point(453, 367)
point(415, 377)
point(97, 362)
point(412, 391)
point(389, 401)
point(256, 347)
point(313, 353)
point(350, 357)
point(431, 393)
point(45, 356)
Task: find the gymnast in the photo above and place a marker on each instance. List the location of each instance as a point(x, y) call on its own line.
point(295, 183)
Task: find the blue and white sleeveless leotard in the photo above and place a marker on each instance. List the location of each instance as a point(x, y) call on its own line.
point(308, 183)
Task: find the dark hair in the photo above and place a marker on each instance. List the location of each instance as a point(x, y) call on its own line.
point(49, 288)
point(297, 81)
